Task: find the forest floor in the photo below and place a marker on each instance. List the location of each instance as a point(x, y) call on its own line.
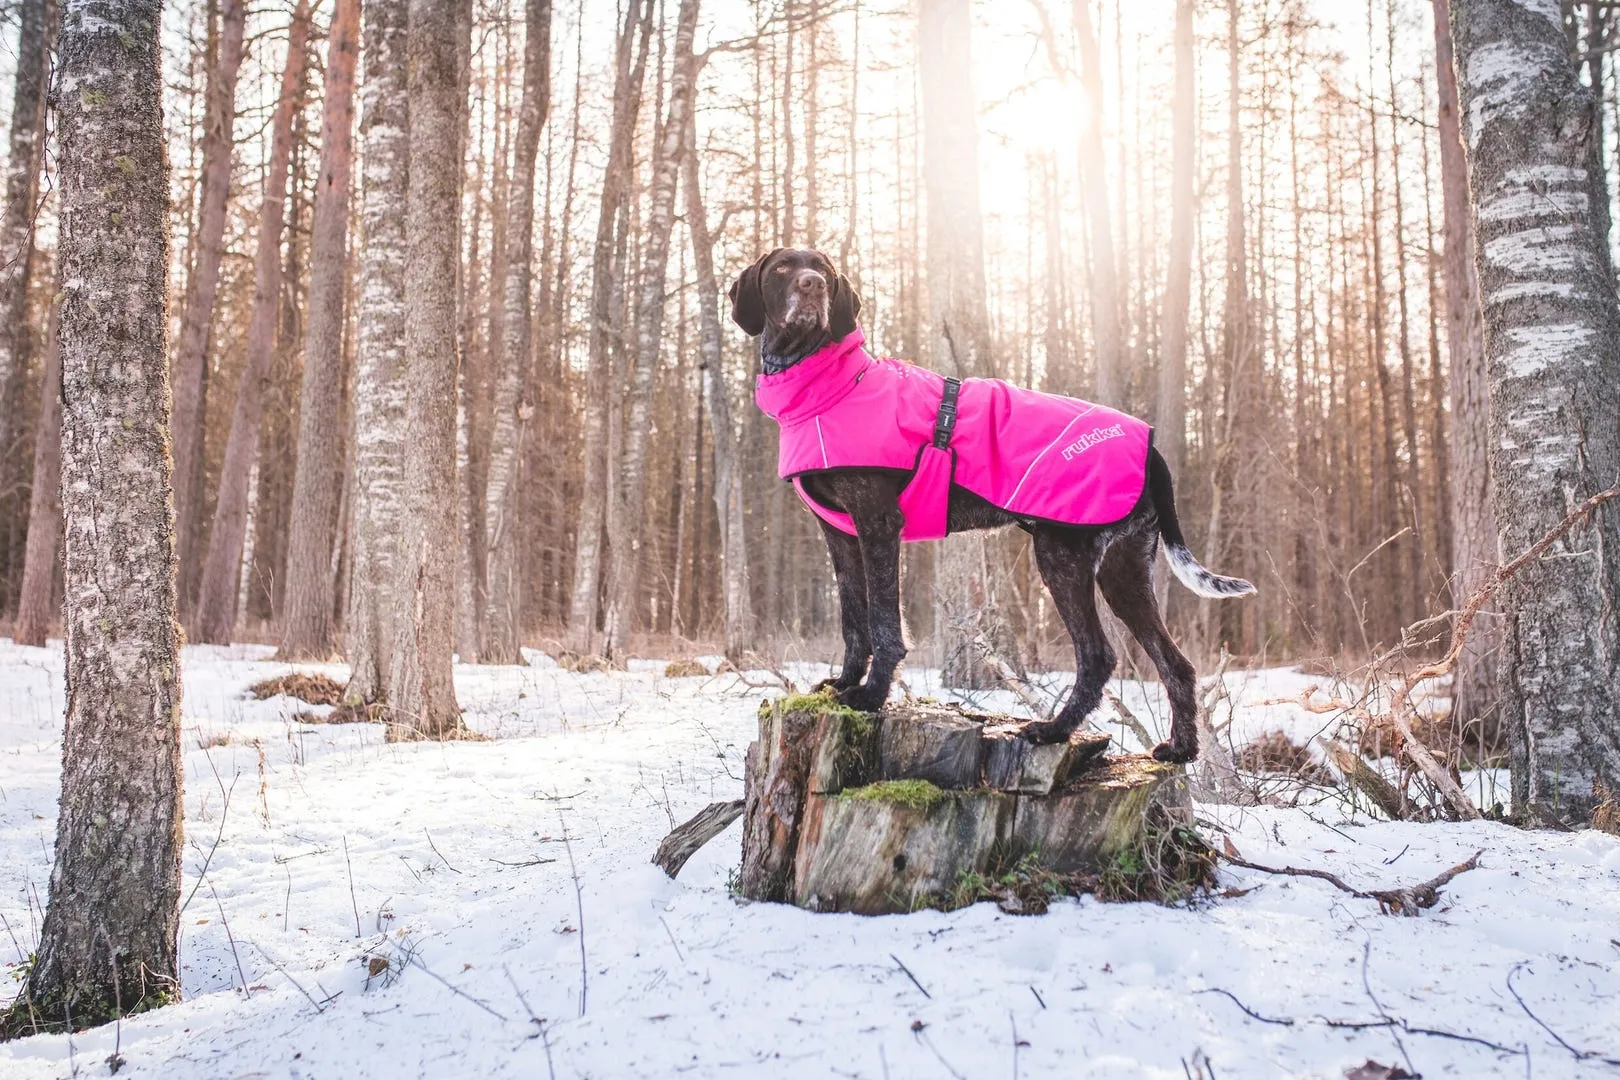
point(409, 910)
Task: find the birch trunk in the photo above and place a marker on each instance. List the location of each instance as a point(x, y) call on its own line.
point(624, 515)
point(1473, 515)
point(1106, 333)
point(190, 369)
point(27, 155)
point(512, 408)
point(108, 945)
point(34, 608)
point(1169, 433)
point(309, 631)
point(379, 383)
point(728, 488)
point(604, 324)
point(217, 595)
point(421, 697)
point(1552, 351)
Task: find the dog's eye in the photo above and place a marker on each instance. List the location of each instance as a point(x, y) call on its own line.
point(783, 269)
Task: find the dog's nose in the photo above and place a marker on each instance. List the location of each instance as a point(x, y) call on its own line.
point(809, 281)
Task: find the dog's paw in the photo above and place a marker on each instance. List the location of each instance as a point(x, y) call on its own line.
point(1171, 754)
point(1042, 732)
point(860, 698)
point(834, 686)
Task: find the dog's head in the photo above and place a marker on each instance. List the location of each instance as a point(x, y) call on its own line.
point(795, 302)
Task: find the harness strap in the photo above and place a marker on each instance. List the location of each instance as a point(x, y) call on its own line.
point(945, 422)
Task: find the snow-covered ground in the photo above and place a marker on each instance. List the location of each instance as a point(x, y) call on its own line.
point(457, 865)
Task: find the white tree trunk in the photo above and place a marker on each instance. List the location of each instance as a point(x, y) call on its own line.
point(1552, 347)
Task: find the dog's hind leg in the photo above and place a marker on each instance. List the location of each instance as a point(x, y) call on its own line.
point(879, 522)
point(1126, 577)
point(1067, 560)
point(851, 574)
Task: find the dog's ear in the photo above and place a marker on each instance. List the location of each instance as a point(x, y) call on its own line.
point(843, 308)
point(747, 302)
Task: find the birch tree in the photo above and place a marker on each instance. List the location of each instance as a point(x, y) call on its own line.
point(512, 408)
point(309, 631)
point(108, 945)
point(222, 565)
point(1107, 334)
point(190, 366)
point(1552, 352)
point(379, 383)
point(34, 608)
point(421, 696)
point(624, 511)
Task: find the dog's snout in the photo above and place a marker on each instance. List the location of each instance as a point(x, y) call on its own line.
point(810, 282)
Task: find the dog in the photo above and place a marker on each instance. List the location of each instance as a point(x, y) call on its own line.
point(882, 451)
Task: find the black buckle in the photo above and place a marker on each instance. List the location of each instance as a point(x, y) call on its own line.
point(945, 422)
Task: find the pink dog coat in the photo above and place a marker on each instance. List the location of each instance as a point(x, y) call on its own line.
point(1038, 456)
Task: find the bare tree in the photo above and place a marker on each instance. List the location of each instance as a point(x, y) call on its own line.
point(1473, 537)
point(222, 566)
point(190, 367)
point(1106, 333)
point(34, 608)
point(1169, 433)
point(728, 488)
point(421, 696)
point(23, 167)
point(1552, 349)
point(512, 407)
point(316, 484)
point(379, 384)
point(108, 945)
point(624, 512)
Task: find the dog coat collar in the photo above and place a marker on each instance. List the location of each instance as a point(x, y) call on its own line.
point(1040, 457)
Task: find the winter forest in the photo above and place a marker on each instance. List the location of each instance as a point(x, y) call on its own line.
point(387, 473)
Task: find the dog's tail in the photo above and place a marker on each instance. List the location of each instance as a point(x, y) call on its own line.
point(1186, 567)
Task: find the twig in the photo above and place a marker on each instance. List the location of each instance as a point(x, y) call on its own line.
point(579, 911)
point(679, 955)
point(1402, 901)
point(912, 977)
point(526, 862)
point(1366, 984)
point(436, 851)
point(320, 1007)
point(1362, 1025)
point(225, 809)
point(352, 901)
point(1235, 1000)
point(1579, 1055)
point(246, 992)
point(1129, 719)
point(417, 960)
point(540, 1025)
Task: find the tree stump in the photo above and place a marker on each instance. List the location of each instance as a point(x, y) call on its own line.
point(875, 814)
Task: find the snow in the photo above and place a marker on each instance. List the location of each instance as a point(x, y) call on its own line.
point(454, 855)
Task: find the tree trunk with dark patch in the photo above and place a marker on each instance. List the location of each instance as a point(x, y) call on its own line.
point(108, 945)
point(512, 408)
point(190, 369)
point(1552, 351)
point(379, 383)
point(309, 631)
point(217, 597)
point(23, 166)
point(421, 696)
point(1473, 515)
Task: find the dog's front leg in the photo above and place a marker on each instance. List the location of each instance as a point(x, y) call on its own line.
point(880, 557)
point(851, 574)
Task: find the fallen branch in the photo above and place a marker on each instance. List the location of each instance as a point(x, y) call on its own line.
point(1009, 678)
point(684, 841)
point(1407, 900)
point(1129, 719)
point(1362, 1025)
point(1365, 779)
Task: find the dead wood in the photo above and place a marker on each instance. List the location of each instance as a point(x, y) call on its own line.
point(1406, 900)
point(1366, 779)
point(683, 842)
point(312, 689)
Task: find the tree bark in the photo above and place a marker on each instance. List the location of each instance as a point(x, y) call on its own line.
point(215, 618)
point(421, 697)
point(1106, 333)
point(513, 409)
point(379, 384)
point(309, 631)
point(23, 165)
point(35, 612)
point(190, 371)
point(624, 513)
point(1552, 350)
point(108, 945)
point(605, 326)
point(728, 489)
point(1473, 514)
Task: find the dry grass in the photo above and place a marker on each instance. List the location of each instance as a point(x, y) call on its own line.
point(1275, 752)
point(312, 689)
point(684, 669)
